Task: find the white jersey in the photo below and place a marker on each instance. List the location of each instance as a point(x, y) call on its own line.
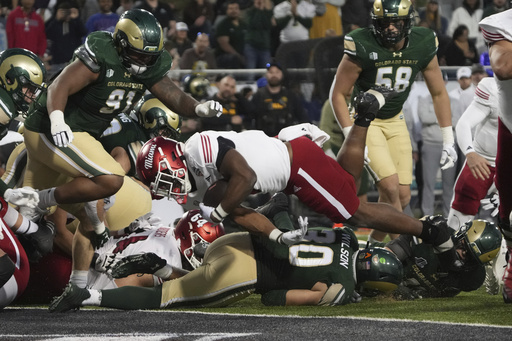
point(159, 240)
point(495, 28)
point(267, 156)
point(482, 118)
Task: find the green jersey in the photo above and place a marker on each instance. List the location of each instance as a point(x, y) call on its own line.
point(115, 91)
point(126, 133)
point(325, 255)
point(394, 69)
point(423, 270)
point(8, 111)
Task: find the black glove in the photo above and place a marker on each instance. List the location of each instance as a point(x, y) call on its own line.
point(98, 240)
point(436, 232)
point(367, 105)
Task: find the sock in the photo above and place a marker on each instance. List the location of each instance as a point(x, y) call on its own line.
point(165, 272)
point(79, 277)
point(95, 298)
point(11, 216)
point(27, 227)
point(47, 198)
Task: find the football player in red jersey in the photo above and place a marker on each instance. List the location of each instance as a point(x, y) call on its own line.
point(497, 31)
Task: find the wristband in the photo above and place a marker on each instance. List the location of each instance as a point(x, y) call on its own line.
point(346, 131)
point(57, 115)
point(219, 213)
point(380, 97)
point(447, 135)
point(276, 236)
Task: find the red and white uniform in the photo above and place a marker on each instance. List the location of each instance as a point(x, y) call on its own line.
point(159, 240)
point(315, 178)
point(495, 28)
point(481, 117)
point(19, 280)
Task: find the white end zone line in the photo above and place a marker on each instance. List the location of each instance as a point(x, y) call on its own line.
point(133, 336)
point(163, 311)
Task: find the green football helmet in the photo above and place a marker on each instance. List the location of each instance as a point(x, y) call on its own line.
point(156, 119)
point(22, 75)
point(378, 269)
point(400, 13)
point(139, 40)
point(197, 86)
point(480, 238)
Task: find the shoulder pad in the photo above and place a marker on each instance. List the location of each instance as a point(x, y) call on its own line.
point(83, 54)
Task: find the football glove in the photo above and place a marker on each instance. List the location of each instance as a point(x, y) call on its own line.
point(61, 132)
point(209, 109)
point(25, 196)
point(448, 156)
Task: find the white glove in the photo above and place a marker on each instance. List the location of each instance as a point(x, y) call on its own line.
point(61, 132)
point(491, 202)
point(448, 156)
point(295, 236)
point(208, 109)
point(25, 196)
point(206, 212)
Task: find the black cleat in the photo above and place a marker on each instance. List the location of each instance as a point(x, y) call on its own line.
point(43, 237)
point(276, 204)
point(71, 299)
point(39, 243)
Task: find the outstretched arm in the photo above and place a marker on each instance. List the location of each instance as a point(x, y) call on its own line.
point(178, 101)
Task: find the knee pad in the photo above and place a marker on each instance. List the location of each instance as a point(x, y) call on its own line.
point(7, 268)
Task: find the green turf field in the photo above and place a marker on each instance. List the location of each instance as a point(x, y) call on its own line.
point(475, 308)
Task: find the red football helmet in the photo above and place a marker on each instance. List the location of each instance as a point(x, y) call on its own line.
point(162, 167)
point(193, 234)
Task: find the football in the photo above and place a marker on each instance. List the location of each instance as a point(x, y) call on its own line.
point(215, 193)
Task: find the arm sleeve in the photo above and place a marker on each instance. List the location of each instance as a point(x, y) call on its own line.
point(474, 114)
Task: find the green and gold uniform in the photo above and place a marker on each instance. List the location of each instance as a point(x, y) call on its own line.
point(88, 113)
point(238, 264)
point(426, 276)
point(389, 146)
point(8, 112)
point(128, 134)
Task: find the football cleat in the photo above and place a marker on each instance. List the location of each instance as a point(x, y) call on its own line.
point(39, 243)
point(71, 299)
point(146, 263)
point(278, 203)
point(507, 279)
point(491, 283)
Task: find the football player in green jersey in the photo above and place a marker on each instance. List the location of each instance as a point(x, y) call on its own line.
point(323, 269)
point(22, 80)
point(107, 76)
point(477, 242)
point(391, 53)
